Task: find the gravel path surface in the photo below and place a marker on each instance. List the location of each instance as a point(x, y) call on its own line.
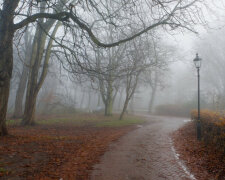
point(143, 154)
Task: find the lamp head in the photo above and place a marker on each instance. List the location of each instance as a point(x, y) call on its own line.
point(197, 61)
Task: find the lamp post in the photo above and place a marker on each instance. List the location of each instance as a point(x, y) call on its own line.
point(197, 62)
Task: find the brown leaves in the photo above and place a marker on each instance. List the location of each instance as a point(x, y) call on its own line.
point(52, 152)
point(206, 162)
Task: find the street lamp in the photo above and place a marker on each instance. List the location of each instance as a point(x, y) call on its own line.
point(197, 62)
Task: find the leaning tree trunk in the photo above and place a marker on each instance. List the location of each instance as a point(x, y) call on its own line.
point(6, 58)
point(31, 95)
point(29, 112)
point(35, 82)
point(130, 89)
point(124, 108)
point(18, 111)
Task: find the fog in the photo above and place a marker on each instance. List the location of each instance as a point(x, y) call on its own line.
point(77, 75)
point(169, 72)
point(115, 58)
point(178, 85)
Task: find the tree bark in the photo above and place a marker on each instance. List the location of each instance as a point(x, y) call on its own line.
point(99, 100)
point(152, 100)
point(29, 112)
point(6, 58)
point(4, 95)
point(31, 94)
point(35, 83)
point(130, 89)
point(124, 108)
point(18, 112)
point(108, 108)
point(109, 99)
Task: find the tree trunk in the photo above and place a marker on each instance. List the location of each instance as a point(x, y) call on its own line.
point(120, 99)
point(35, 83)
point(99, 100)
point(82, 99)
point(152, 100)
point(109, 100)
point(124, 109)
point(18, 112)
point(31, 94)
point(131, 105)
point(6, 58)
point(4, 95)
point(29, 113)
point(130, 90)
point(89, 101)
point(109, 107)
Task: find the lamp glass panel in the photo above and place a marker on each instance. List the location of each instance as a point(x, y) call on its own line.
point(197, 63)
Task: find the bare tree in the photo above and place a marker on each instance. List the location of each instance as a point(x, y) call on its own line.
point(131, 84)
point(173, 13)
point(18, 111)
point(137, 62)
point(109, 81)
point(163, 55)
point(35, 80)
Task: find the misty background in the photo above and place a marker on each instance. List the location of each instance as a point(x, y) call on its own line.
point(169, 88)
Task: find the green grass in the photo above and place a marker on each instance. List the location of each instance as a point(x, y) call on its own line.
point(97, 120)
point(13, 121)
point(75, 119)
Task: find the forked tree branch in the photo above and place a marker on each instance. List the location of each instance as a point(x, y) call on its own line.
point(65, 16)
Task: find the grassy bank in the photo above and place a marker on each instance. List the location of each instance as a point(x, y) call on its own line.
point(97, 120)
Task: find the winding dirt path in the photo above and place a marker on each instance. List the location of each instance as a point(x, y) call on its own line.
point(143, 154)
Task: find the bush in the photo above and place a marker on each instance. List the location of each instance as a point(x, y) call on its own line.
point(212, 128)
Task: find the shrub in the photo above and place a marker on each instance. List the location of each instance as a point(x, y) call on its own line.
point(212, 128)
